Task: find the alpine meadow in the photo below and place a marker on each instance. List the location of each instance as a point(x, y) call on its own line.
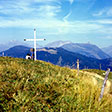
point(38, 86)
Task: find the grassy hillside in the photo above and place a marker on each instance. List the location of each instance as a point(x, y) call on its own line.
point(38, 86)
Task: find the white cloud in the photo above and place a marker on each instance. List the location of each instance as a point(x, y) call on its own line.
point(104, 12)
point(48, 11)
point(15, 8)
point(65, 18)
point(83, 0)
point(44, 16)
point(71, 1)
point(46, 1)
point(100, 13)
point(104, 21)
point(108, 37)
point(54, 26)
point(109, 12)
point(30, 9)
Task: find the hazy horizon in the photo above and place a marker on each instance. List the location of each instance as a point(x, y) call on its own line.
point(31, 44)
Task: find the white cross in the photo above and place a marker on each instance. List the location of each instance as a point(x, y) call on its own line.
point(34, 42)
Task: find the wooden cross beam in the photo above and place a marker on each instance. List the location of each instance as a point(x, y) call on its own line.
point(35, 40)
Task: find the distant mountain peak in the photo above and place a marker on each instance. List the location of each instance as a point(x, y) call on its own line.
point(58, 43)
point(86, 49)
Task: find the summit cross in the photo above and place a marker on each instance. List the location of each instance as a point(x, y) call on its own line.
point(35, 40)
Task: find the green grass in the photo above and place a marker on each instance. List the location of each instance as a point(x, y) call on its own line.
point(38, 86)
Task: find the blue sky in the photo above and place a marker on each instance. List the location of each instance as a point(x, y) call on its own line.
point(79, 21)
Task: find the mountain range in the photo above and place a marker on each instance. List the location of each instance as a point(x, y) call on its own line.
point(63, 53)
point(60, 56)
point(108, 50)
point(86, 49)
point(12, 43)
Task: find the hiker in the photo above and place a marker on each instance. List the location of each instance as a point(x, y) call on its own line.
point(28, 56)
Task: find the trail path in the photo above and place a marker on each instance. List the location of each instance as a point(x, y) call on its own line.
point(95, 75)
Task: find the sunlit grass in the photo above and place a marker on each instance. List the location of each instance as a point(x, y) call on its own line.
point(100, 72)
point(38, 86)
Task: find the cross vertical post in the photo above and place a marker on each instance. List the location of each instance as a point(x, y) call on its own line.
point(77, 66)
point(2, 54)
point(35, 49)
point(35, 55)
